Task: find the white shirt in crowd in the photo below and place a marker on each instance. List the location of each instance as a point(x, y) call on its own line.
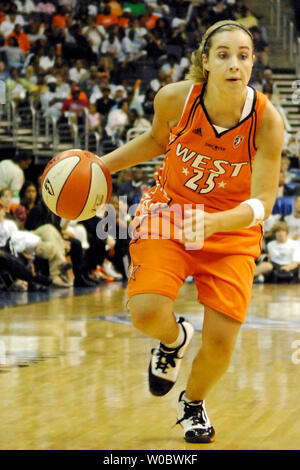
point(25, 7)
point(7, 26)
point(293, 224)
point(76, 75)
point(94, 38)
point(12, 177)
point(284, 253)
point(7, 228)
point(21, 241)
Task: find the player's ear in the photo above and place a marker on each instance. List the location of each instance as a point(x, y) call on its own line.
point(205, 62)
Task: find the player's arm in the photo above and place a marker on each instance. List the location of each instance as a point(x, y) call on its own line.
point(152, 143)
point(265, 176)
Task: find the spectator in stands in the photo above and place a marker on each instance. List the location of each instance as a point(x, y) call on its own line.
point(115, 7)
point(94, 119)
point(105, 104)
point(10, 264)
point(14, 54)
point(111, 47)
point(34, 29)
point(47, 60)
point(175, 69)
point(148, 103)
point(74, 106)
point(140, 31)
point(132, 49)
point(77, 46)
point(4, 73)
point(46, 6)
point(117, 261)
point(160, 8)
point(284, 257)
point(94, 33)
point(117, 120)
point(6, 197)
point(193, 33)
point(78, 72)
point(149, 19)
point(247, 18)
point(90, 82)
point(261, 47)
point(119, 94)
point(220, 12)
point(25, 6)
point(161, 80)
point(133, 188)
point(12, 173)
point(61, 20)
point(7, 26)
point(21, 37)
point(284, 188)
point(126, 19)
point(106, 19)
point(50, 105)
point(293, 220)
point(285, 165)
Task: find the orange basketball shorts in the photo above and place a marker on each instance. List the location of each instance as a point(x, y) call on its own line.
point(224, 282)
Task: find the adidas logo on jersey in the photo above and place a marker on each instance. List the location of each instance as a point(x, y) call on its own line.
point(198, 131)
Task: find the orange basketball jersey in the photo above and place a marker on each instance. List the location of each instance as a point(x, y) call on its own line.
point(208, 165)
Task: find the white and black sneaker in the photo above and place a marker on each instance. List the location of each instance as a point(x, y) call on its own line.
point(194, 421)
point(165, 362)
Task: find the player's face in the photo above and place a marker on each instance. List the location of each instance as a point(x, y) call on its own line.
point(230, 60)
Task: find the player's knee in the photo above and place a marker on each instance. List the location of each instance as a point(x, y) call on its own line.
point(219, 348)
point(142, 318)
point(145, 311)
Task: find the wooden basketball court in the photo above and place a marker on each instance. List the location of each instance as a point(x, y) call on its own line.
point(73, 375)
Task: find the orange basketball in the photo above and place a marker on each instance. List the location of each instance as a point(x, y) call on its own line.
point(75, 183)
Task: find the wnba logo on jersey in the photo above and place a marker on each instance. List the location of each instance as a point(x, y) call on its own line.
point(238, 140)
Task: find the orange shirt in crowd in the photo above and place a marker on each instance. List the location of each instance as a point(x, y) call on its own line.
point(115, 8)
point(124, 22)
point(59, 21)
point(2, 16)
point(22, 39)
point(150, 21)
point(82, 96)
point(107, 20)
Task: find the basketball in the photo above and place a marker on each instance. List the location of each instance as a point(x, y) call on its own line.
point(75, 183)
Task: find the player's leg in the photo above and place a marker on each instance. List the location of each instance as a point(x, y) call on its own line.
point(153, 315)
point(157, 271)
point(224, 286)
point(218, 341)
point(219, 336)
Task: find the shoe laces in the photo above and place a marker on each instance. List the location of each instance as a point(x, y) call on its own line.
point(165, 359)
point(194, 413)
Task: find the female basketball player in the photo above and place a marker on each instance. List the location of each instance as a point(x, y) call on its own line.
point(222, 141)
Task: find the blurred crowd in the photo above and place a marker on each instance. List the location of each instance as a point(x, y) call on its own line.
point(108, 57)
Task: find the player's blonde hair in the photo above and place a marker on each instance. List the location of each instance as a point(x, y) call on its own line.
point(196, 72)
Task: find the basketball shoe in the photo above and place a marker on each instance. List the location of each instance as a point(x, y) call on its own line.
point(193, 419)
point(165, 362)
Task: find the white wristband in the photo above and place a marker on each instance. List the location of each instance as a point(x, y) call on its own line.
point(258, 211)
